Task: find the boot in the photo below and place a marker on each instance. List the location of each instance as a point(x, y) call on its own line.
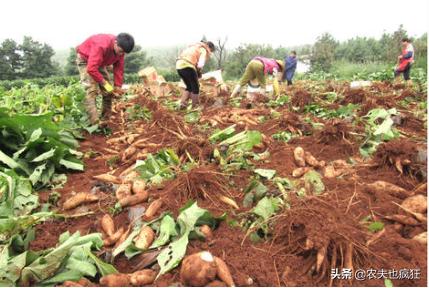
point(195, 100)
point(236, 91)
point(91, 108)
point(107, 107)
point(184, 100)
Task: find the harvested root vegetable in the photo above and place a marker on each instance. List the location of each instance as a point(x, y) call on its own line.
point(111, 240)
point(223, 272)
point(130, 151)
point(139, 186)
point(198, 269)
point(311, 160)
point(145, 238)
point(123, 191)
point(153, 209)
point(416, 204)
point(216, 283)
point(299, 156)
point(320, 258)
point(207, 231)
point(123, 237)
point(383, 187)
point(108, 225)
point(403, 219)
point(130, 177)
point(331, 172)
point(348, 259)
point(142, 277)
point(298, 172)
point(78, 199)
point(422, 238)
point(115, 280)
point(108, 178)
point(133, 199)
point(229, 201)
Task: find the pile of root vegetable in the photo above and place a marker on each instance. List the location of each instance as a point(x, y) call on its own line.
point(323, 205)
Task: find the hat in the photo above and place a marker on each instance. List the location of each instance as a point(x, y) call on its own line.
point(281, 64)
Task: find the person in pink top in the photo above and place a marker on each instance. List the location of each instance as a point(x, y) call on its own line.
point(93, 57)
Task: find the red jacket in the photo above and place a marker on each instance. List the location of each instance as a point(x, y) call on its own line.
point(269, 64)
point(98, 51)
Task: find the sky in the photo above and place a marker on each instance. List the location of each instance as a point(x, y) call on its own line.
point(153, 23)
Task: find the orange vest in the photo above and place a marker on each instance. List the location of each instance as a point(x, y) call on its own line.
point(192, 53)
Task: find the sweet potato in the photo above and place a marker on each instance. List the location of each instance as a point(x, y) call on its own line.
point(386, 187)
point(115, 280)
point(216, 283)
point(139, 186)
point(299, 156)
point(145, 238)
point(108, 225)
point(123, 237)
point(153, 209)
point(109, 241)
point(229, 201)
point(130, 151)
point(130, 177)
point(198, 269)
point(422, 238)
point(133, 199)
point(416, 203)
point(311, 160)
point(142, 277)
point(207, 231)
point(330, 172)
point(123, 191)
point(223, 272)
point(298, 172)
point(78, 199)
point(108, 178)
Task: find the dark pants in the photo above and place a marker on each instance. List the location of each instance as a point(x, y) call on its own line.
point(289, 82)
point(190, 77)
point(406, 72)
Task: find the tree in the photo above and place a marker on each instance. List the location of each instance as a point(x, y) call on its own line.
point(136, 60)
point(71, 67)
point(10, 60)
point(323, 54)
point(37, 62)
point(221, 52)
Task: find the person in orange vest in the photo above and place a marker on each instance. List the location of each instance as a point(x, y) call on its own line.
point(405, 60)
point(189, 65)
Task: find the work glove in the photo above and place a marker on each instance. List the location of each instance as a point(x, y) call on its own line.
point(108, 87)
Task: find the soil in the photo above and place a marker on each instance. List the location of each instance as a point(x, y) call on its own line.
point(333, 224)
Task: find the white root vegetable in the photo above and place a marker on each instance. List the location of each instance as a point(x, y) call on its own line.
point(139, 186)
point(416, 203)
point(142, 277)
point(78, 199)
point(111, 240)
point(108, 178)
point(298, 172)
point(153, 209)
point(229, 202)
point(422, 238)
point(133, 199)
point(386, 187)
point(198, 269)
point(123, 191)
point(145, 238)
point(108, 225)
point(223, 272)
point(299, 156)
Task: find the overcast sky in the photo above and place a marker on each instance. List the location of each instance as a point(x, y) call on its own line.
point(63, 24)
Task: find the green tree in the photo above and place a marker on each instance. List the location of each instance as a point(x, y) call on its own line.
point(323, 53)
point(36, 57)
point(136, 60)
point(391, 44)
point(10, 60)
point(71, 68)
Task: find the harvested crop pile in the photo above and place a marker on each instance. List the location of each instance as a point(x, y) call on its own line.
point(301, 98)
point(354, 96)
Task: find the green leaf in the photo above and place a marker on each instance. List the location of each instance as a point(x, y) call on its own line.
point(313, 182)
point(266, 207)
point(166, 231)
point(171, 256)
point(45, 155)
point(72, 165)
point(388, 283)
point(8, 161)
point(267, 173)
point(376, 226)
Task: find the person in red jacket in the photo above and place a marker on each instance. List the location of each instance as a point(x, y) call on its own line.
point(93, 57)
point(405, 60)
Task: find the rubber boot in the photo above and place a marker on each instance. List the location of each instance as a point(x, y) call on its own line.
point(195, 100)
point(91, 108)
point(236, 91)
point(184, 100)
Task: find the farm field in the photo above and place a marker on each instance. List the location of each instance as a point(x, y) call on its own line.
point(287, 191)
